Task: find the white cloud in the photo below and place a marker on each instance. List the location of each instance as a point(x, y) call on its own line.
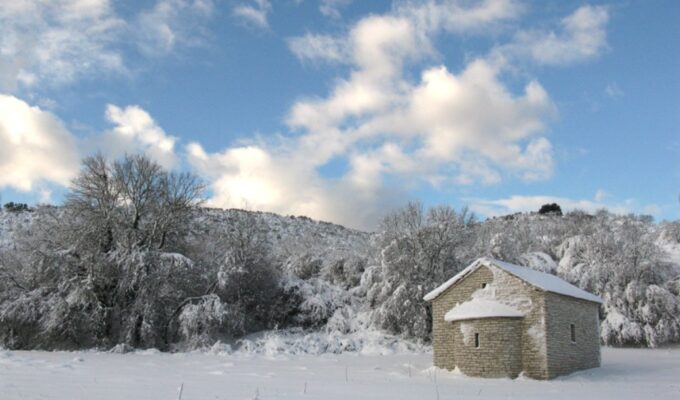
point(458, 16)
point(57, 41)
point(422, 18)
point(319, 47)
point(446, 127)
point(45, 196)
point(652, 209)
point(331, 8)
point(170, 23)
point(135, 131)
point(438, 118)
point(613, 90)
point(600, 195)
point(582, 36)
point(253, 177)
point(35, 147)
point(513, 204)
point(431, 131)
point(37, 150)
point(255, 14)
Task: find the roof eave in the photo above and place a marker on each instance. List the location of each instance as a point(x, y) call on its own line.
point(439, 290)
point(486, 261)
point(596, 299)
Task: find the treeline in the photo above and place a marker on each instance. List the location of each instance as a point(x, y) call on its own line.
point(623, 259)
point(132, 260)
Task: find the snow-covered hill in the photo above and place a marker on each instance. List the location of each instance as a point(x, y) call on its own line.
point(338, 289)
point(292, 233)
point(282, 232)
point(10, 224)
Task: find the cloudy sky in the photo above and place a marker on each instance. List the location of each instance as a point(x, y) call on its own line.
point(344, 109)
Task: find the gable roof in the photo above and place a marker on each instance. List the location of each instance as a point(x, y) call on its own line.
point(541, 280)
point(480, 308)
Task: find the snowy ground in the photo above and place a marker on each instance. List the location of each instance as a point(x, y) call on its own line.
point(625, 374)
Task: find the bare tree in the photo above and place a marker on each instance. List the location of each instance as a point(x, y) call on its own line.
point(130, 204)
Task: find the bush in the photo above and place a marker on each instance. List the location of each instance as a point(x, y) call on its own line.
point(553, 208)
point(15, 207)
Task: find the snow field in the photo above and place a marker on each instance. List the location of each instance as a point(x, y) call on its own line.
point(625, 374)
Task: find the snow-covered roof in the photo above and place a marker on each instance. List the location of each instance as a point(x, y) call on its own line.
point(541, 280)
point(480, 308)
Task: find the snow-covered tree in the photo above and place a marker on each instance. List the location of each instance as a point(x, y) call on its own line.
point(112, 267)
point(418, 250)
point(621, 261)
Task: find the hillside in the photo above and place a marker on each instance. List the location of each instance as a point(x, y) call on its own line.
point(10, 224)
point(265, 283)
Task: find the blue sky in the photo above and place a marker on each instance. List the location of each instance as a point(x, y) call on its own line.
point(343, 110)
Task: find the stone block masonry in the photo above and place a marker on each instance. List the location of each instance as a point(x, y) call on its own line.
point(499, 354)
point(539, 343)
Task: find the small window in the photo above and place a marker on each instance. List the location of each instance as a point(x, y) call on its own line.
point(477, 340)
point(483, 285)
point(573, 333)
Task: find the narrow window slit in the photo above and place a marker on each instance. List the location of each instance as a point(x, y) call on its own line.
point(477, 340)
point(573, 333)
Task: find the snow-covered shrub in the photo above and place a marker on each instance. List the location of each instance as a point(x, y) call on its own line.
point(206, 320)
point(62, 318)
point(150, 287)
point(404, 312)
point(643, 315)
point(345, 272)
point(296, 341)
point(670, 231)
point(50, 299)
point(538, 261)
point(619, 260)
point(314, 300)
point(243, 291)
point(80, 277)
point(20, 325)
point(674, 286)
point(305, 266)
point(248, 281)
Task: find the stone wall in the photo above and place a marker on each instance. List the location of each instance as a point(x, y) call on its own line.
point(507, 289)
point(500, 350)
point(442, 331)
point(565, 356)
